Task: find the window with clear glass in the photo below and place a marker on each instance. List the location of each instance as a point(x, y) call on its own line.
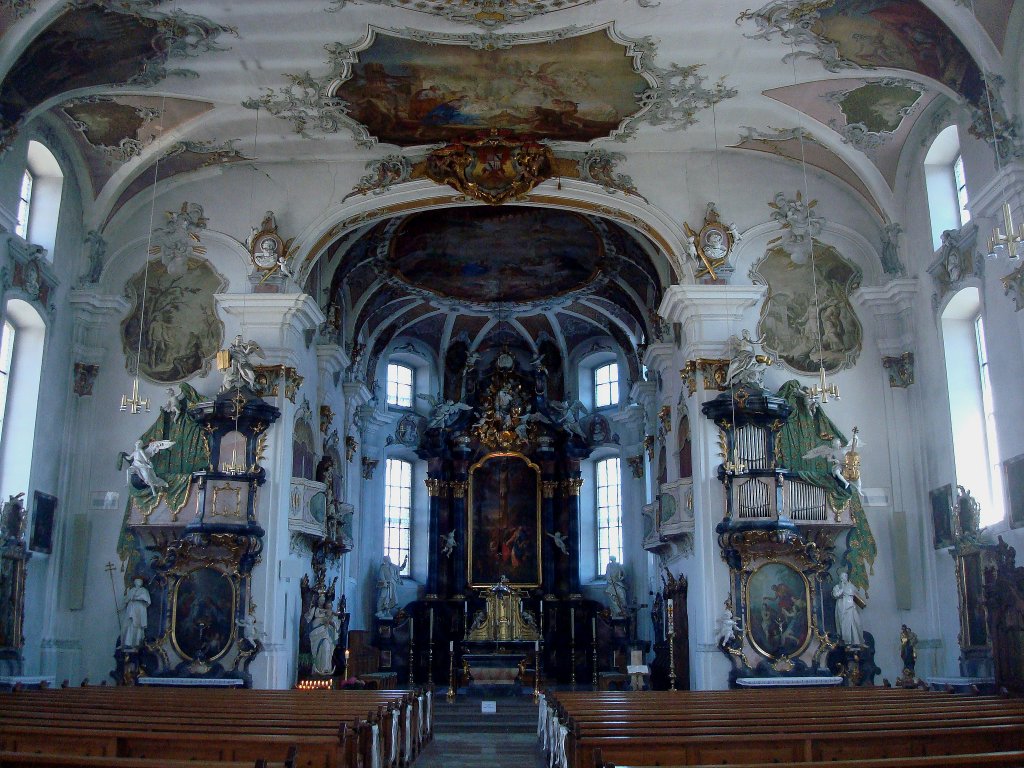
point(400, 385)
point(606, 385)
point(609, 512)
point(24, 204)
point(6, 355)
point(991, 440)
point(960, 182)
point(398, 511)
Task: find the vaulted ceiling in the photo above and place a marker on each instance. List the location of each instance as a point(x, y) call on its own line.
point(355, 79)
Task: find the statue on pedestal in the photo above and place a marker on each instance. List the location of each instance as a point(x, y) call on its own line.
point(389, 577)
point(324, 624)
point(136, 615)
point(848, 605)
point(615, 575)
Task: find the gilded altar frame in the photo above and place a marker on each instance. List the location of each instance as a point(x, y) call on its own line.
point(510, 534)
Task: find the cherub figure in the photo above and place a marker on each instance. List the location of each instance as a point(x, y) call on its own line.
point(443, 412)
point(173, 404)
point(728, 628)
point(448, 543)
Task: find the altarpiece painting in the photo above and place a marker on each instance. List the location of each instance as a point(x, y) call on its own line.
point(504, 521)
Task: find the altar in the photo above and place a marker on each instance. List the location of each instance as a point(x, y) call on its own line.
point(504, 665)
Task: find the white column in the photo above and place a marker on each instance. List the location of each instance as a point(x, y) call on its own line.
point(280, 324)
point(95, 318)
point(709, 315)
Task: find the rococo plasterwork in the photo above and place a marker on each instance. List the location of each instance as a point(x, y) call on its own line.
point(489, 14)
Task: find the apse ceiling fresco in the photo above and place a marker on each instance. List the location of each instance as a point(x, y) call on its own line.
point(583, 279)
point(330, 80)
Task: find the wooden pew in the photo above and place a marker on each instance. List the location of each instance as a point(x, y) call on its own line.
point(331, 728)
point(784, 726)
point(23, 760)
point(990, 759)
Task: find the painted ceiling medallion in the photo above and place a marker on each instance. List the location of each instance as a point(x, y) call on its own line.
point(493, 170)
point(410, 88)
point(489, 14)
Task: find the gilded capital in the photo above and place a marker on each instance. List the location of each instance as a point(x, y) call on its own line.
point(435, 486)
point(548, 488)
point(573, 485)
point(458, 488)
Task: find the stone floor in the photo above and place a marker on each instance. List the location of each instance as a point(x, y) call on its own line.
point(482, 750)
point(464, 737)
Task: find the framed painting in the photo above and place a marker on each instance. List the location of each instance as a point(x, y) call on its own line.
point(204, 604)
point(44, 506)
point(778, 608)
point(1013, 479)
point(942, 515)
point(504, 521)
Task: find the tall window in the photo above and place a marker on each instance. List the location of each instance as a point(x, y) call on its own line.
point(24, 204)
point(991, 440)
point(6, 355)
point(397, 511)
point(960, 182)
point(971, 403)
point(609, 513)
point(606, 385)
point(400, 385)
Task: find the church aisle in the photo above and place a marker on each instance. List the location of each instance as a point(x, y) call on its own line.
point(466, 738)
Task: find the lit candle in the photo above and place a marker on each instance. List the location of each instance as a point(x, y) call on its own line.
point(451, 646)
point(572, 623)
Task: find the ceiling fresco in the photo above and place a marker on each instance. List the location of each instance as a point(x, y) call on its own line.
point(111, 130)
point(891, 34)
point(513, 255)
point(875, 116)
point(101, 43)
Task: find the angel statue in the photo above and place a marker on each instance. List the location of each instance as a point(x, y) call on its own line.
point(140, 464)
point(443, 412)
point(745, 365)
point(835, 453)
point(571, 413)
point(728, 628)
point(560, 541)
point(448, 543)
point(240, 369)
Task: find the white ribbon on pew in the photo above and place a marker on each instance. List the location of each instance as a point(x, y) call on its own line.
point(422, 717)
point(375, 746)
point(393, 760)
point(430, 712)
point(542, 720)
point(408, 734)
point(563, 733)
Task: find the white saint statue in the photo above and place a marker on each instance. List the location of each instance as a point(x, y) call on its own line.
point(136, 615)
point(324, 624)
point(240, 371)
point(389, 577)
point(615, 575)
point(848, 611)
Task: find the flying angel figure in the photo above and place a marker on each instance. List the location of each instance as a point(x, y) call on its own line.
point(140, 464)
point(448, 543)
point(442, 412)
point(560, 541)
point(728, 628)
point(835, 453)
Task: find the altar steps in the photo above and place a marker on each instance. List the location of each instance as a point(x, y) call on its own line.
point(515, 714)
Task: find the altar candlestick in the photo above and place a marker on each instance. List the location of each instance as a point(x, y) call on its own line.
point(451, 646)
point(412, 627)
point(430, 635)
point(671, 614)
point(572, 623)
point(593, 627)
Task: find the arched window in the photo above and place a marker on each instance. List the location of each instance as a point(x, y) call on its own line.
point(401, 385)
point(398, 511)
point(971, 405)
point(946, 184)
point(609, 511)
point(606, 385)
point(42, 187)
point(21, 358)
